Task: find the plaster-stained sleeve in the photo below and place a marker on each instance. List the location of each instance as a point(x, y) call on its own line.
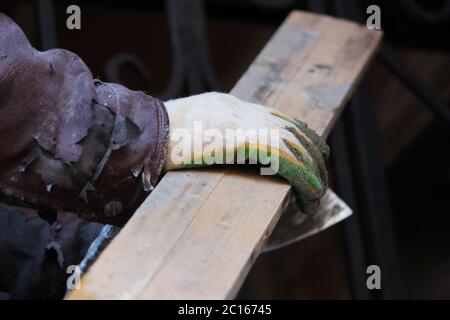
point(70, 142)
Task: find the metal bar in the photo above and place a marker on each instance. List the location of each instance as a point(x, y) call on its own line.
point(441, 111)
point(373, 208)
point(190, 52)
point(46, 24)
point(351, 227)
point(376, 217)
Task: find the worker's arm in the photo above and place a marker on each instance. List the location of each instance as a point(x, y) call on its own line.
point(74, 143)
point(70, 142)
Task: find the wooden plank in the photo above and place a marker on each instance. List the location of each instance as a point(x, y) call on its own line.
point(198, 233)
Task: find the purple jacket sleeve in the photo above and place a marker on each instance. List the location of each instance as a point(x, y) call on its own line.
point(69, 142)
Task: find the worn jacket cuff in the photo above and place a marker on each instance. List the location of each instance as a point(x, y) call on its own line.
point(69, 142)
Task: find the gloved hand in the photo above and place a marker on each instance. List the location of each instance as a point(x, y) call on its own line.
point(217, 128)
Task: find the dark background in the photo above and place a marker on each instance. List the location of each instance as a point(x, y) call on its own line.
point(411, 142)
